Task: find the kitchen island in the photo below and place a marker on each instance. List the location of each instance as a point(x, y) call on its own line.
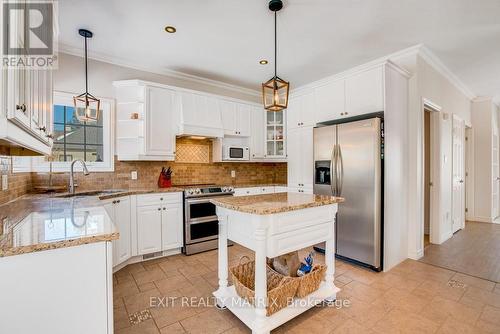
point(56, 266)
point(272, 225)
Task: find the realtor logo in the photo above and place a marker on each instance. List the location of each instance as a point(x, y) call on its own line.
point(28, 34)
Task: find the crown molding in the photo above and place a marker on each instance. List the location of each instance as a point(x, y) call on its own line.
point(64, 48)
point(440, 67)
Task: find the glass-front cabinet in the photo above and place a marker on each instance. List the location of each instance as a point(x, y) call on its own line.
point(275, 135)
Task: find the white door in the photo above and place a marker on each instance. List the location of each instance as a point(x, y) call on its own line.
point(123, 246)
point(458, 170)
point(495, 182)
point(149, 229)
point(160, 136)
point(171, 226)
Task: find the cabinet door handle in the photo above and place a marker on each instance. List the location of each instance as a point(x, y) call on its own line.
point(161, 198)
point(159, 209)
point(43, 128)
point(114, 202)
point(118, 201)
point(164, 209)
point(21, 107)
point(50, 136)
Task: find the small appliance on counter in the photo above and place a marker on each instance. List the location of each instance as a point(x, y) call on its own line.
point(235, 153)
point(165, 178)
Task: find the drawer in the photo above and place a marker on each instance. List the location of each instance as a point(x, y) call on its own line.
point(266, 190)
point(158, 199)
point(247, 191)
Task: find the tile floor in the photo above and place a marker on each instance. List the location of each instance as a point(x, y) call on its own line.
point(474, 251)
point(414, 297)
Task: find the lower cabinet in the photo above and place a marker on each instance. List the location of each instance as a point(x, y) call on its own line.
point(120, 213)
point(149, 229)
point(159, 224)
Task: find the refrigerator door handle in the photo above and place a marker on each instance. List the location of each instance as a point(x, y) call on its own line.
point(340, 183)
point(333, 168)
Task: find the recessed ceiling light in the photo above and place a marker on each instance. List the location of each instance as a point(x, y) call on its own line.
point(170, 29)
point(263, 62)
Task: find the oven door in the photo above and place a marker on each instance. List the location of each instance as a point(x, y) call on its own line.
point(201, 222)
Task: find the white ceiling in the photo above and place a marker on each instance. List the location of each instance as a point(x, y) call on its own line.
point(224, 39)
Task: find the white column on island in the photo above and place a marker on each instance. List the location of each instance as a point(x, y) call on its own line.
point(260, 234)
point(223, 258)
point(330, 255)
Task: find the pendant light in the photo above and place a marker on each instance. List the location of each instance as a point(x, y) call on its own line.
point(86, 105)
point(275, 90)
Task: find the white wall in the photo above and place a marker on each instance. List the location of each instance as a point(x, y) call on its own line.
point(70, 77)
point(429, 84)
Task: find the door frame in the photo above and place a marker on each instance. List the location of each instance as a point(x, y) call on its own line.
point(469, 173)
point(435, 196)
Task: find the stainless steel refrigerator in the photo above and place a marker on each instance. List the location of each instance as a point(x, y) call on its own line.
point(348, 162)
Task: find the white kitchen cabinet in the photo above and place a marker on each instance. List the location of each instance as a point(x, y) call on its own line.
point(160, 136)
point(171, 226)
point(364, 92)
point(149, 229)
point(301, 111)
point(329, 101)
point(145, 123)
point(300, 158)
point(257, 123)
point(199, 115)
point(119, 211)
point(159, 222)
point(275, 135)
point(247, 191)
point(235, 118)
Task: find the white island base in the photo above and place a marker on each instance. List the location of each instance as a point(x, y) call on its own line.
point(271, 235)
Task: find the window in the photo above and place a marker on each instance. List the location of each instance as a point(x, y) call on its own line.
point(91, 142)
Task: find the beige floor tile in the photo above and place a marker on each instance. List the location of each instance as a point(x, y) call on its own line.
point(491, 314)
point(399, 321)
point(140, 301)
point(146, 286)
point(121, 319)
point(343, 280)
point(131, 269)
point(170, 284)
point(125, 278)
point(211, 321)
point(170, 268)
point(238, 330)
point(487, 297)
point(352, 327)
point(165, 316)
point(487, 327)
point(361, 275)
point(497, 288)
point(126, 289)
point(363, 313)
point(474, 281)
point(146, 327)
point(402, 299)
point(389, 280)
point(439, 309)
point(149, 276)
point(199, 269)
point(175, 328)
point(314, 324)
point(452, 326)
point(431, 289)
point(363, 292)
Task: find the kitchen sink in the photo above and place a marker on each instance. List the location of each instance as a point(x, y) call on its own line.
point(91, 193)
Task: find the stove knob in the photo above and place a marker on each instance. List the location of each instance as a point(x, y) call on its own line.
point(197, 191)
point(224, 189)
point(190, 191)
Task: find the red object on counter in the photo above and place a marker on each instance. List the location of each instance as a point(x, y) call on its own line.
point(164, 181)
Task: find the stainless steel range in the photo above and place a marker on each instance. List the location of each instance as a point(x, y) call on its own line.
point(201, 226)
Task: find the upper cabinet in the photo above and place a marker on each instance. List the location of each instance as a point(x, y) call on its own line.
point(275, 135)
point(145, 122)
point(301, 111)
point(329, 101)
point(364, 92)
point(235, 118)
point(257, 138)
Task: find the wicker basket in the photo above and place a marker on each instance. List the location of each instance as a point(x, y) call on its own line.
point(310, 282)
point(280, 289)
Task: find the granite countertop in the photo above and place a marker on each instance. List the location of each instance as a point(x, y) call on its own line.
point(274, 203)
point(35, 223)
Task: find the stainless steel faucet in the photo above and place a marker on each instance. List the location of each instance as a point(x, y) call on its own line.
point(72, 184)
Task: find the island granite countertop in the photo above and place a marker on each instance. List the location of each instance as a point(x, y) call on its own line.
point(35, 223)
point(274, 203)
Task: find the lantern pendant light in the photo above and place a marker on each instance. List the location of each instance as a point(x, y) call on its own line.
point(275, 90)
point(86, 105)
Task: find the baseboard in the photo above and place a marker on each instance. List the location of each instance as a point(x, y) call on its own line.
point(139, 258)
point(481, 219)
point(416, 255)
point(444, 237)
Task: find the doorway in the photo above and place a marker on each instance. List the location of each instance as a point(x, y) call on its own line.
point(458, 174)
point(427, 176)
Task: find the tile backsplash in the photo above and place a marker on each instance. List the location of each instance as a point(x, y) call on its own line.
point(18, 183)
point(195, 168)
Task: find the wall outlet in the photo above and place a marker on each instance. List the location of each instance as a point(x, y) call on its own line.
point(133, 175)
point(233, 173)
point(5, 182)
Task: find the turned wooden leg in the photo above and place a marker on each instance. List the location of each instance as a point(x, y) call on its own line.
point(222, 261)
point(260, 278)
point(330, 257)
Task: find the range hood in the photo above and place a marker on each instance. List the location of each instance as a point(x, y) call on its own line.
point(199, 116)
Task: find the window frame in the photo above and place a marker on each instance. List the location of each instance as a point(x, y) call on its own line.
point(108, 125)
